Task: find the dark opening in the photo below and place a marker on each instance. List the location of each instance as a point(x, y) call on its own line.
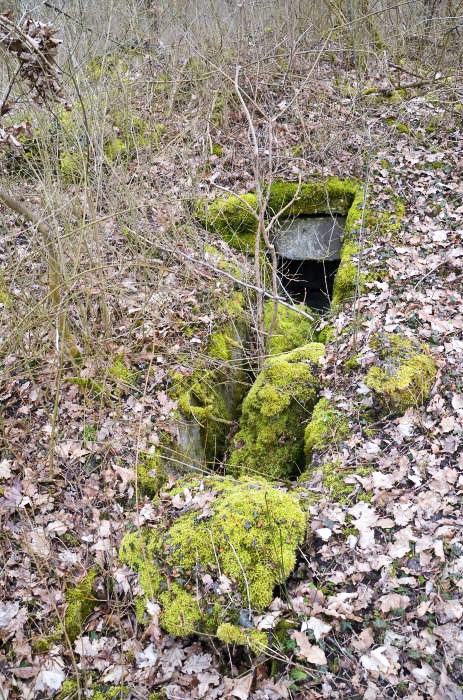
point(308, 251)
point(308, 282)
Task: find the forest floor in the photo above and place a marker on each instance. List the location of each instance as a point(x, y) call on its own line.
point(377, 598)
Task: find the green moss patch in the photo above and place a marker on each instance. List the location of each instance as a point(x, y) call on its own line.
point(334, 481)
point(290, 329)
point(234, 218)
point(404, 374)
point(220, 554)
point(209, 400)
point(151, 473)
point(270, 441)
point(328, 426)
point(80, 603)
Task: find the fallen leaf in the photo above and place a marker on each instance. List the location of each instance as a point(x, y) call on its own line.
point(375, 661)
point(318, 627)
point(238, 687)
point(310, 652)
point(393, 601)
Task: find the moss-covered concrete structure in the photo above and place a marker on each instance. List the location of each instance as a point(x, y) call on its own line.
point(270, 441)
point(218, 557)
point(209, 398)
point(234, 218)
point(290, 330)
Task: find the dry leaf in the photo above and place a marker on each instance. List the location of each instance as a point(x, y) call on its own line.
point(310, 652)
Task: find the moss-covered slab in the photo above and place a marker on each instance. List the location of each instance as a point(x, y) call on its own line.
point(270, 441)
point(209, 400)
point(327, 427)
point(290, 329)
point(404, 373)
point(234, 217)
point(216, 555)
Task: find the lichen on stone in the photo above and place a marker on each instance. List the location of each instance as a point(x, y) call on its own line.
point(290, 330)
point(80, 603)
point(327, 427)
point(404, 373)
point(222, 553)
point(270, 441)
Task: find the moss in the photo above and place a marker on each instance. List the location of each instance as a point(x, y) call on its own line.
point(109, 692)
point(116, 149)
point(151, 473)
point(327, 426)
point(270, 439)
point(97, 691)
point(234, 218)
point(5, 299)
point(181, 612)
point(121, 373)
point(80, 603)
point(256, 640)
point(94, 387)
point(69, 690)
point(42, 645)
point(247, 531)
point(220, 261)
point(209, 400)
point(405, 372)
point(290, 330)
point(89, 433)
point(71, 165)
point(326, 335)
point(347, 278)
point(334, 483)
point(217, 149)
point(352, 363)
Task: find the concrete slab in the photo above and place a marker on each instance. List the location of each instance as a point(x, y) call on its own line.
point(310, 238)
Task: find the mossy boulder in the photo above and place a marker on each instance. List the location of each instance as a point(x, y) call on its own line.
point(403, 374)
point(328, 426)
point(216, 555)
point(234, 217)
point(270, 441)
point(290, 330)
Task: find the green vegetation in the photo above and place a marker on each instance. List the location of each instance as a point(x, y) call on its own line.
point(231, 634)
point(270, 441)
point(151, 473)
point(291, 329)
point(405, 372)
point(248, 532)
point(80, 603)
point(328, 426)
point(234, 217)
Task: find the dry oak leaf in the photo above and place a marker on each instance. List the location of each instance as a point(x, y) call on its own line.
point(238, 687)
point(310, 652)
point(393, 601)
